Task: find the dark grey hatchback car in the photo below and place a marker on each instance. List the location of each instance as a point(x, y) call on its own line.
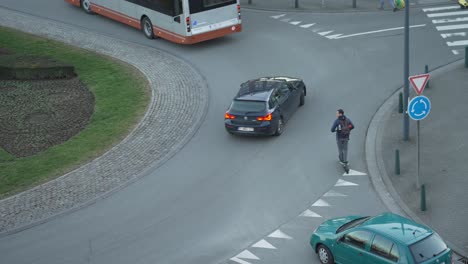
point(262, 106)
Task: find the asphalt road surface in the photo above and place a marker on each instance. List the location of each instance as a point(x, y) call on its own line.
point(221, 194)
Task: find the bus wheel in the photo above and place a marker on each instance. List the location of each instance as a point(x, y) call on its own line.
point(86, 5)
point(147, 28)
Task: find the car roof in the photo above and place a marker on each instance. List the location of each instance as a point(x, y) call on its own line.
point(260, 88)
point(398, 228)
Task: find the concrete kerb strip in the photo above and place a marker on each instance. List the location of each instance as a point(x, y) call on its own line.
point(375, 164)
point(147, 147)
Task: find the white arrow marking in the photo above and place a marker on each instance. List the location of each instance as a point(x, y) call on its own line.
point(325, 33)
point(458, 34)
point(379, 31)
point(321, 203)
point(309, 213)
point(334, 36)
point(448, 20)
point(354, 173)
point(452, 27)
point(278, 16)
point(240, 261)
point(307, 25)
point(448, 14)
point(341, 183)
point(263, 244)
point(295, 23)
point(440, 8)
point(247, 255)
point(458, 43)
point(279, 234)
point(455, 52)
point(333, 194)
point(286, 20)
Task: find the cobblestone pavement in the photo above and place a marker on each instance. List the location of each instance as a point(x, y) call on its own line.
point(178, 106)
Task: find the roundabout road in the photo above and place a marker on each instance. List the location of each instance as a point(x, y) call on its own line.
point(220, 193)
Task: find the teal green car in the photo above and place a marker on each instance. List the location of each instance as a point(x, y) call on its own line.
point(386, 238)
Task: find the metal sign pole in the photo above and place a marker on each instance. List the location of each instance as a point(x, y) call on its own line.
point(418, 181)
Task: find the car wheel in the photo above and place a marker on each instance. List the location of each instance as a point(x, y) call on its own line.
point(86, 5)
point(324, 254)
point(147, 28)
point(280, 127)
point(302, 98)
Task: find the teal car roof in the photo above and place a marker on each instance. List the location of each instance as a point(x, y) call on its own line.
point(397, 227)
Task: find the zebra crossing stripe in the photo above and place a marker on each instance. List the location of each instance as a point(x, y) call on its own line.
point(307, 25)
point(332, 193)
point(448, 14)
point(278, 16)
point(341, 183)
point(448, 20)
point(432, 9)
point(263, 244)
point(321, 203)
point(452, 27)
point(309, 213)
point(295, 23)
point(279, 234)
point(458, 43)
point(457, 34)
point(246, 255)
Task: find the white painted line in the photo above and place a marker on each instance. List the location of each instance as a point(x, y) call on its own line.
point(295, 23)
point(240, 261)
point(448, 14)
point(341, 183)
point(247, 255)
point(321, 203)
point(457, 34)
point(286, 20)
point(309, 213)
point(278, 16)
point(307, 25)
point(440, 8)
point(458, 43)
point(354, 173)
point(325, 33)
point(315, 30)
point(452, 27)
point(263, 244)
point(448, 20)
point(334, 36)
point(378, 31)
point(332, 193)
point(279, 234)
point(455, 52)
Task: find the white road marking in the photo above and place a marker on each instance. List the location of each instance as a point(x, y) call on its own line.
point(458, 43)
point(354, 173)
point(325, 33)
point(286, 20)
point(263, 244)
point(455, 52)
point(247, 255)
point(240, 261)
point(309, 213)
point(378, 31)
point(295, 23)
point(279, 234)
point(341, 183)
point(332, 193)
point(452, 27)
point(278, 16)
point(321, 203)
point(307, 25)
point(448, 14)
point(457, 34)
point(448, 20)
point(334, 36)
point(315, 30)
point(440, 8)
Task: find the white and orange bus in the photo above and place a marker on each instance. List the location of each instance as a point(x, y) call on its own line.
point(180, 21)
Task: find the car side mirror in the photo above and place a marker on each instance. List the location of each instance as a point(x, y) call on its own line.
point(177, 19)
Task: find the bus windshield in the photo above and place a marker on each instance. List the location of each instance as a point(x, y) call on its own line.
point(197, 6)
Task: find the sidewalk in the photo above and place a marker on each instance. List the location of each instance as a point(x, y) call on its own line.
point(443, 148)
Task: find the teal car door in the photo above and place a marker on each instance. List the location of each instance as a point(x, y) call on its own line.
point(352, 247)
point(382, 251)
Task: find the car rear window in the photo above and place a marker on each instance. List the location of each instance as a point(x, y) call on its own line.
point(428, 248)
point(248, 106)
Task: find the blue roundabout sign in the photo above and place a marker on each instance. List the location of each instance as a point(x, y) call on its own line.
point(419, 107)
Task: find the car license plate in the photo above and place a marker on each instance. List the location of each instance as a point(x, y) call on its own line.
point(246, 129)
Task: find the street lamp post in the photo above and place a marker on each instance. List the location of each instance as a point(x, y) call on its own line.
point(406, 73)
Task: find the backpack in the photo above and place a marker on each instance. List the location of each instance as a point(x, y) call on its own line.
point(345, 130)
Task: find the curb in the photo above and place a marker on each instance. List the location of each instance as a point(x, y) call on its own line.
point(375, 164)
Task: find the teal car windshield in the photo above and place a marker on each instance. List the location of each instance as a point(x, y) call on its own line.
point(352, 224)
point(428, 248)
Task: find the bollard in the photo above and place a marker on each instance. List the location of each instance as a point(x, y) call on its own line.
point(426, 70)
point(397, 162)
point(296, 4)
point(400, 103)
point(250, 2)
point(466, 57)
point(423, 198)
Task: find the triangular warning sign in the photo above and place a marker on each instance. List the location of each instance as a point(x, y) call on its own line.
point(419, 82)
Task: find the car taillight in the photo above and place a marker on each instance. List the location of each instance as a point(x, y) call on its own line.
point(265, 118)
point(238, 12)
point(187, 21)
point(229, 116)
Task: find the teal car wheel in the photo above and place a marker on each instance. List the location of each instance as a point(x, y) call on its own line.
point(324, 254)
